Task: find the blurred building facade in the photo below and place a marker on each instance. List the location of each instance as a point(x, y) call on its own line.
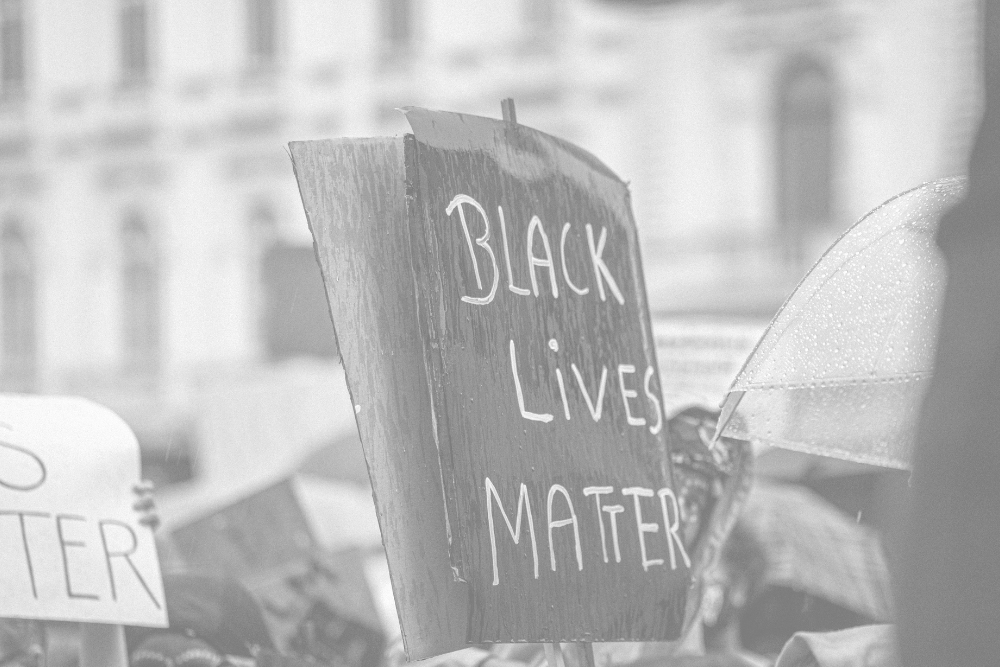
point(153, 250)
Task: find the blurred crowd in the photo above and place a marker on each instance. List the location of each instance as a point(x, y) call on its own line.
point(788, 564)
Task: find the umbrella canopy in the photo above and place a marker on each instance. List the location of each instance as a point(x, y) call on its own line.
point(843, 366)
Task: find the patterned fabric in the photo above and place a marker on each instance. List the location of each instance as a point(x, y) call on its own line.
point(174, 650)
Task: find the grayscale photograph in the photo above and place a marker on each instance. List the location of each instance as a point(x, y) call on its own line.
point(499, 333)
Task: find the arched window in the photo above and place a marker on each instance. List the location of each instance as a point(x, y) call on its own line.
point(140, 296)
point(12, 47)
point(262, 33)
point(397, 23)
point(539, 15)
point(133, 25)
point(19, 338)
point(805, 126)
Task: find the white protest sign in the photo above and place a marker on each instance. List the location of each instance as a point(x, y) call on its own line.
point(699, 357)
point(71, 545)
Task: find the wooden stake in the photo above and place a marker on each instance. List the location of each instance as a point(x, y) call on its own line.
point(554, 655)
point(102, 645)
point(578, 654)
point(508, 111)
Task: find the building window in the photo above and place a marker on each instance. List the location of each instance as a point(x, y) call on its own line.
point(134, 27)
point(397, 19)
point(296, 317)
point(262, 232)
point(18, 308)
point(140, 296)
point(262, 33)
point(167, 457)
point(12, 67)
point(805, 117)
point(539, 15)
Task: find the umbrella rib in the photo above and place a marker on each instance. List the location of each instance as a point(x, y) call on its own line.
point(898, 378)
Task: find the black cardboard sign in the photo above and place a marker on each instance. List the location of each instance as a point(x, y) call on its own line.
point(261, 531)
point(486, 287)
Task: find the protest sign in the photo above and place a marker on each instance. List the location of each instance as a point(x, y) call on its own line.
point(486, 288)
point(70, 541)
point(701, 356)
point(253, 534)
point(354, 194)
point(314, 603)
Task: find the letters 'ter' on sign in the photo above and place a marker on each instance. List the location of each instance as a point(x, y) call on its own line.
point(70, 542)
point(485, 285)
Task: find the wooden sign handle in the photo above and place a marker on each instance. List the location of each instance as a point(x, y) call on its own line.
point(508, 111)
point(102, 645)
point(553, 655)
point(583, 656)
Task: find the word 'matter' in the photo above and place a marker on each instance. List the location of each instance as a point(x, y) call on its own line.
point(601, 517)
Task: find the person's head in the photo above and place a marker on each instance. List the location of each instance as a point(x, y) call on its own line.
point(22, 643)
point(214, 611)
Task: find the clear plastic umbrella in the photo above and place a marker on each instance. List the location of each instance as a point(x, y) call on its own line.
point(843, 366)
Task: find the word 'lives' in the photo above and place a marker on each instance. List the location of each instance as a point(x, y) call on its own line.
point(540, 260)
